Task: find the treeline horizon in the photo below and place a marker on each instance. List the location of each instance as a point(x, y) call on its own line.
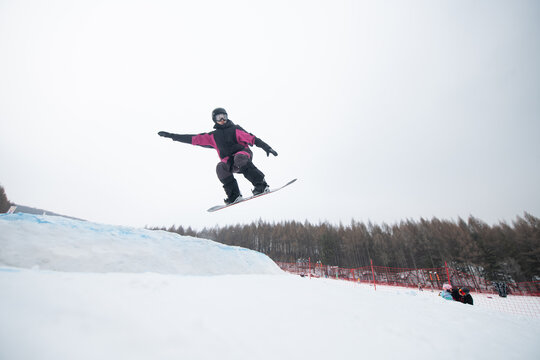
point(501, 252)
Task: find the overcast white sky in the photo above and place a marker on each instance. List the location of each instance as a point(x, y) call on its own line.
point(384, 110)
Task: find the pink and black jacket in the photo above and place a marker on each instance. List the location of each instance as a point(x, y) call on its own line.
point(228, 139)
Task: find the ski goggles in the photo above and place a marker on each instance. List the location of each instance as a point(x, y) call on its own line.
point(463, 292)
point(220, 117)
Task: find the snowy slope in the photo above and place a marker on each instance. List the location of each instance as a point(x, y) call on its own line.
point(110, 310)
point(56, 243)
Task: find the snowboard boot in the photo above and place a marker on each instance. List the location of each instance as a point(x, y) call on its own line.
point(230, 185)
point(260, 188)
point(256, 177)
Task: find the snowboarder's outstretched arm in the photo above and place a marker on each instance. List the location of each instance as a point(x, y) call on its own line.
point(177, 137)
point(243, 136)
point(204, 139)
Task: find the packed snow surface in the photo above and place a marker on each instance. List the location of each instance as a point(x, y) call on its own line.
point(61, 244)
point(69, 290)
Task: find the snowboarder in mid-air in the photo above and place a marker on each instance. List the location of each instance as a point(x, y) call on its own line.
point(232, 144)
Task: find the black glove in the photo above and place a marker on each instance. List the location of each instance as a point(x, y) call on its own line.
point(269, 151)
point(165, 134)
point(265, 147)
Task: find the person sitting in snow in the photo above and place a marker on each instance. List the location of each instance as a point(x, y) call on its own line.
point(232, 144)
point(461, 294)
point(447, 292)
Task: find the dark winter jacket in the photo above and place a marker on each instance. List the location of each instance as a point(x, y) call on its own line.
point(228, 139)
point(467, 299)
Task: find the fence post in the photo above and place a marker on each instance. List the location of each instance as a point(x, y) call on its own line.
point(447, 273)
point(309, 260)
point(372, 272)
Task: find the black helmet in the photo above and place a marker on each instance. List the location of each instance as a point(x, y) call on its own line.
point(217, 111)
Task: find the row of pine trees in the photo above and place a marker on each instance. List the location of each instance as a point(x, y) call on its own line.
point(499, 252)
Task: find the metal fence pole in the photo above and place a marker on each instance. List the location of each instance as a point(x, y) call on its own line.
point(373, 272)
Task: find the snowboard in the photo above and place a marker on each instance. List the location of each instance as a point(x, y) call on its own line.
point(220, 207)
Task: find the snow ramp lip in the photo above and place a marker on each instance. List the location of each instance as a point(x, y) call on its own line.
point(62, 244)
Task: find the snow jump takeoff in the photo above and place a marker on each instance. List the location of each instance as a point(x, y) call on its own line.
point(232, 144)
